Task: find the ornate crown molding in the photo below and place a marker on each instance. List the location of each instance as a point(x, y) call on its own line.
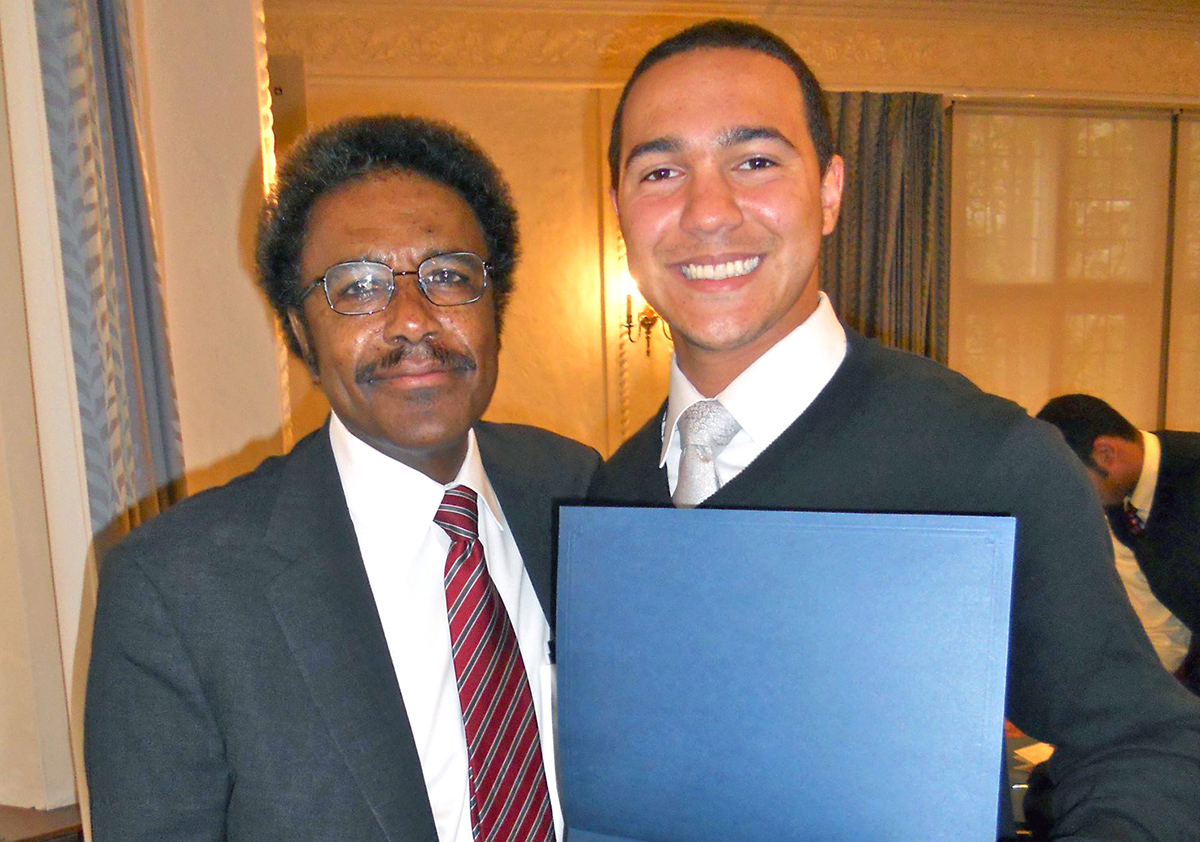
point(1123, 13)
point(578, 45)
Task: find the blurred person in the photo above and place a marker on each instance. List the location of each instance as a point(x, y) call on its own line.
point(1149, 484)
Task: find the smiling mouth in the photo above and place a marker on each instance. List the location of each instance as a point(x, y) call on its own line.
point(720, 271)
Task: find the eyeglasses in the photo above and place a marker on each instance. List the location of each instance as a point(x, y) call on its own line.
point(362, 287)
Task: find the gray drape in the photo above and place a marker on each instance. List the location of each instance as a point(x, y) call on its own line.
point(886, 267)
point(131, 439)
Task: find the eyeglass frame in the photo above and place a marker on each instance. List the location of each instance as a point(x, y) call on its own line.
point(487, 268)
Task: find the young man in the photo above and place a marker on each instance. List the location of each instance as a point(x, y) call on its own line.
point(1149, 484)
point(725, 181)
point(350, 642)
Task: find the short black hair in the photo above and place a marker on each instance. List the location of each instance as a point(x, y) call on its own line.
point(1082, 418)
point(361, 147)
point(721, 33)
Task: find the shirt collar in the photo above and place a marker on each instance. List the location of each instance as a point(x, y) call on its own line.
point(1143, 493)
point(777, 387)
point(367, 472)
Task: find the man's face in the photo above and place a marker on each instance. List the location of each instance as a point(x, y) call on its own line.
point(412, 379)
point(722, 204)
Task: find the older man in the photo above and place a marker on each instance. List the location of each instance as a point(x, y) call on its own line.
point(725, 180)
point(351, 642)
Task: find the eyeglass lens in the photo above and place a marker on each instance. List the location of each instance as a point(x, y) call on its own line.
point(447, 280)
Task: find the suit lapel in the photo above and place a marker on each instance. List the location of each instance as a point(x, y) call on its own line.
point(323, 603)
point(526, 517)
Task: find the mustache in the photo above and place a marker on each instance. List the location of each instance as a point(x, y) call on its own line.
point(425, 350)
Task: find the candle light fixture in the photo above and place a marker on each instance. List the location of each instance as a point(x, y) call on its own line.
point(642, 328)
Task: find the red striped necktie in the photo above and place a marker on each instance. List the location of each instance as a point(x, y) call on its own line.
point(1133, 520)
point(510, 801)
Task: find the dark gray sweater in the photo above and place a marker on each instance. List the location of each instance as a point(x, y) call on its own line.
point(893, 432)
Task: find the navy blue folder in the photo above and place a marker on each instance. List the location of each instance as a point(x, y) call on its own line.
point(746, 675)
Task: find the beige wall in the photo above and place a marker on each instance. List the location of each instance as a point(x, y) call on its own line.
point(35, 759)
point(198, 81)
point(536, 82)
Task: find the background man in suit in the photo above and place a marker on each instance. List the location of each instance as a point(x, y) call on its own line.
point(351, 642)
point(724, 182)
point(1149, 484)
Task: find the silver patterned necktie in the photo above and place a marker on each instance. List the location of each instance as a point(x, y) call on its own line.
point(705, 428)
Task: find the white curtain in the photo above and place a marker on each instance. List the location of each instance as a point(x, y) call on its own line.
point(1059, 254)
point(1183, 370)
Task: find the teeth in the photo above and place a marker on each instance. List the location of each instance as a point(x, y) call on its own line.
point(720, 271)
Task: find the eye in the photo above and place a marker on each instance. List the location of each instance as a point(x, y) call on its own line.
point(445, 277)
point(660, 174)
point(757, 162)
point(361, 290)
point(356, 284)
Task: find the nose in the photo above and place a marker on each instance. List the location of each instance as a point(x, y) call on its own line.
point(409, 316)
point(710, 203)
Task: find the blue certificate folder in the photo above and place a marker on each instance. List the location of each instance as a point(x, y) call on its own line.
point(747, 675)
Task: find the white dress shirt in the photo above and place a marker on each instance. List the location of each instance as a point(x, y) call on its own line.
point(767, 397)
point(1167, 632)
point(404, 551)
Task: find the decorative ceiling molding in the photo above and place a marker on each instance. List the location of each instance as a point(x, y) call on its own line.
point(578, 44)
point(1154, 13)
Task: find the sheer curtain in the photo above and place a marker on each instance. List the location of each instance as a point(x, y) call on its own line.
point(1183, 361)
point(1060, 235)
point(886, 266)
point(128, 415)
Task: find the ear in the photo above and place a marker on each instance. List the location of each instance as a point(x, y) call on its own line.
point(1105, 453)
point(831, 193)
point(612, 197)
point(300, 331)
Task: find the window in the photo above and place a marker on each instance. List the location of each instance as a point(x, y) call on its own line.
point(1060, 221)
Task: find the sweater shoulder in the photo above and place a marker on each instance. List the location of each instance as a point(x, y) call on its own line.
point(919, 391)
point(896, 432)
point(632, 473)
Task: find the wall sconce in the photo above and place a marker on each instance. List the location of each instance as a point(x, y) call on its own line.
point(646, 321)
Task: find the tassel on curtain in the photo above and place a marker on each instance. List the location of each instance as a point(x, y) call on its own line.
point(886, 267)
point(131, 439)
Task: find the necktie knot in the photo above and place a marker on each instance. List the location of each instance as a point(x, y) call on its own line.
point(707, 424)
point(459, 514)
point(705, 428)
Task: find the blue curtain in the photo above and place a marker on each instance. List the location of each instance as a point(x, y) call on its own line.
point(132, 446)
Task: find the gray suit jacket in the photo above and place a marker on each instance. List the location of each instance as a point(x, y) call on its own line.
point(240, 685)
